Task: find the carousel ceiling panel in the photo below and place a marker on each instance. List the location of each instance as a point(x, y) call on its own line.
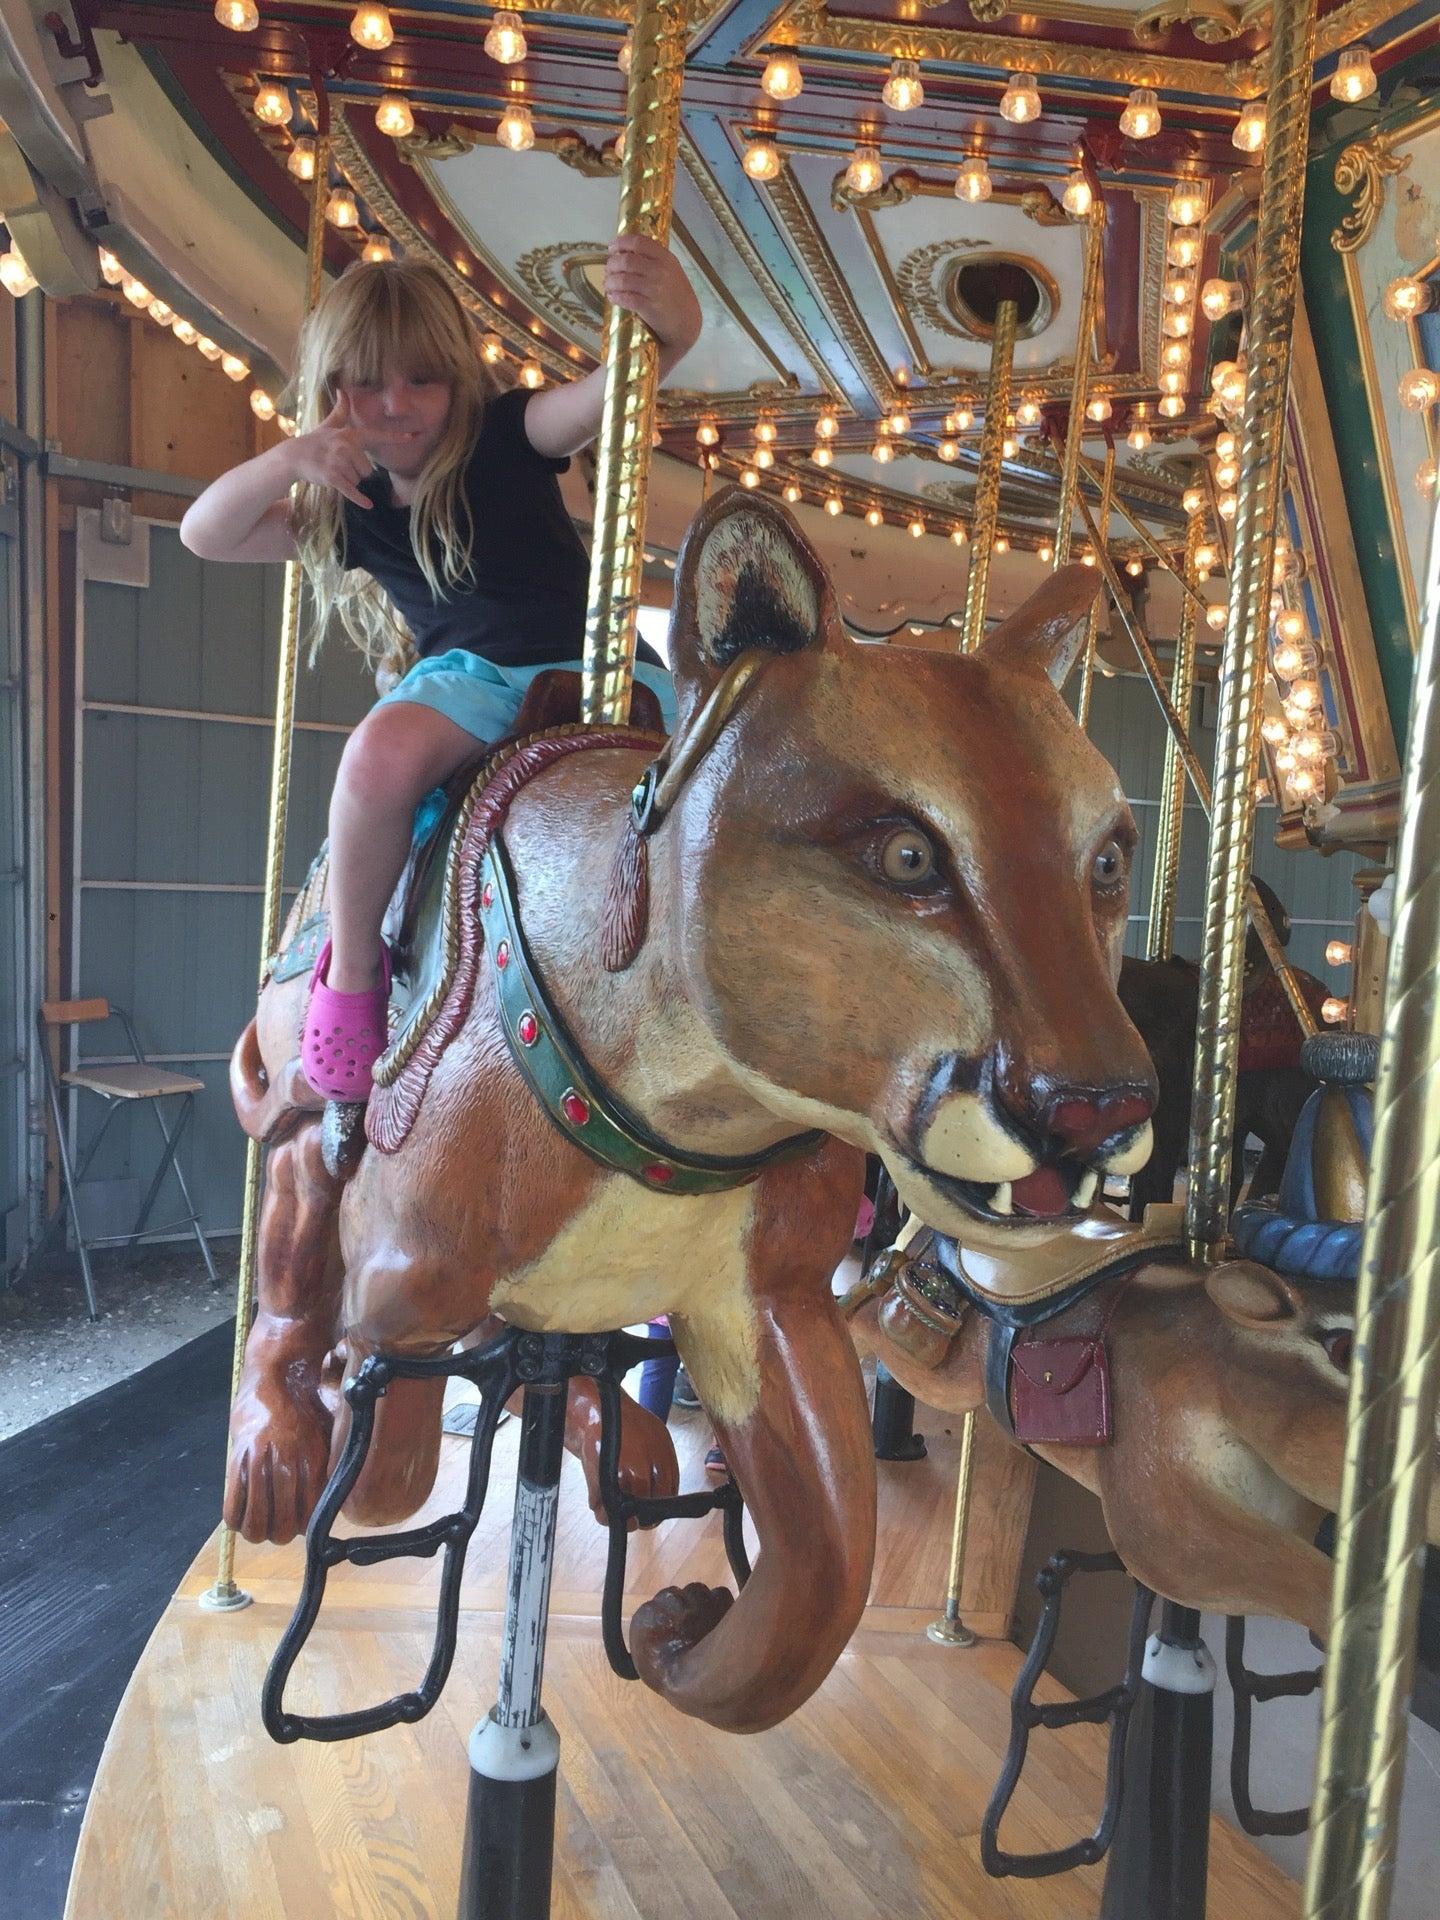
point(542, 229)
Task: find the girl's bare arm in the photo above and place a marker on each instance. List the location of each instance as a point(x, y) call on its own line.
point(245, 514)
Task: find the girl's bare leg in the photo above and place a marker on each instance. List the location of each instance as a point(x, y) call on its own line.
point(391, 761)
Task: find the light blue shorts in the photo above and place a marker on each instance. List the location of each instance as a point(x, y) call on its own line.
point(484, 699)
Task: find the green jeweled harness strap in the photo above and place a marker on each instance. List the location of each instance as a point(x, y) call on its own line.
point(557, 1074)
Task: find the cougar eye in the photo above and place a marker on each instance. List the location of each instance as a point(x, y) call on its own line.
point(907, 858)
point(1339, 1345)
point(1109, 868)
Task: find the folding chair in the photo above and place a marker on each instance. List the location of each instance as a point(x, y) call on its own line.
point(118, 1084)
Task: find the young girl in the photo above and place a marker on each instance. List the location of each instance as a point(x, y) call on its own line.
point(419, 483)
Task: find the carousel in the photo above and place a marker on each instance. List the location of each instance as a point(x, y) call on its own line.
point(1038, 537)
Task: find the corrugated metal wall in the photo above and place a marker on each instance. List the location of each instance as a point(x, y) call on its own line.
point(1126, 726)
point(175, 684)
point(13, 1038)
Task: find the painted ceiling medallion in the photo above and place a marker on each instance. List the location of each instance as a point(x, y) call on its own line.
point(932, 279)
point(565, 281)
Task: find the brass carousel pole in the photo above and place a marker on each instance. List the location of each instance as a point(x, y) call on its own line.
point(1237, 748)
point(949, 1629)
point(1390, 1430)
point(1092, 628)
point(1172, 787)
point(647, 183)
point(1090, 286)
point(225, 1596)
point(986, 518)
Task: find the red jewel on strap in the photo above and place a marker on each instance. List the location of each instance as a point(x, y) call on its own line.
point(575, 1110)
point(502, 955)
point(528, 1028)
point(661, 1175)
point(487, 895)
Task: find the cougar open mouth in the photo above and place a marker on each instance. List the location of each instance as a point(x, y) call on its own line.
point(1051, 1192)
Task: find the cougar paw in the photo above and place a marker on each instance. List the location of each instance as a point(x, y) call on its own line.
point(666, 1628)
point(279, 1463)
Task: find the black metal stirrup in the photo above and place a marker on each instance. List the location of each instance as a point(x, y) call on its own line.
point(1113, 1705)
point(516, 1358)
point(1253, 1689)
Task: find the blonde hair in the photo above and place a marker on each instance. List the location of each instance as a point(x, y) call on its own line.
point(380, 317)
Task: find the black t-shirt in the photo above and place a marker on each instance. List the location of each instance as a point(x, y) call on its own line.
point(531, 575)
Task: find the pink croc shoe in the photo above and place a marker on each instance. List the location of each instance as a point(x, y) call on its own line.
point(345, 1033)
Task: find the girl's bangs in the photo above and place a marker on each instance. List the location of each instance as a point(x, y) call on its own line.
point(398, 325)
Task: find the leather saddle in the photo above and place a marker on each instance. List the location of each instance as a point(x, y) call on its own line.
point(1047, 1309)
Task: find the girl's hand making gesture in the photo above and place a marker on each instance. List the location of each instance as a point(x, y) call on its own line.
point(333, 454)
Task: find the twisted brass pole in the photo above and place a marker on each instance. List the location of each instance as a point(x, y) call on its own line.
point(647, 184)
point(224, 1596)
point(1090, 285)
point(1390, 1428)
point(1092, 627)
point(1189, 587)
point(1237, 748)
point(1166, 878)
point(986, 518)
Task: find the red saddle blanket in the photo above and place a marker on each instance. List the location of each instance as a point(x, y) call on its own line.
point(1270, 1035)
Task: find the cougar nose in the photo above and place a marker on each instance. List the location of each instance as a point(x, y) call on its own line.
point(1080, 1120)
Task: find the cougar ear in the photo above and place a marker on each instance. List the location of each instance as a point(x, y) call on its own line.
point(1250, 1295)
point(746, 578)
point(1046, 634)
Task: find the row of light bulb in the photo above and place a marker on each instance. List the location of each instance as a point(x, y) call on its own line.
point(1406, 299)
point(372, 28)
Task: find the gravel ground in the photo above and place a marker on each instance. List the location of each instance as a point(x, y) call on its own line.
point(52, 1355)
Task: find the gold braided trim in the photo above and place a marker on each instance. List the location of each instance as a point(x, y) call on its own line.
point(396, 1058)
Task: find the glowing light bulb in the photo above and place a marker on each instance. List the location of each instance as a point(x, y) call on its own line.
point(948, 450)
point(1406, 298)
point(272, 103)
point(1304, 785)
point(972, 179)
point(749, 477)
point(1172, 380)
point(961, 421)
point(492, 348)
point(1140, 119)
point(532, 374)
point(240, 16)
point(1290, 625)
point(1001, 544)
point(161, 313)
point(505, 42)
point(1139, 436)
point(1078, 196)
point(834, 504)
point(864, 173)
point(707, 433)
point(899, 421)
point(1177, 323)
point(1087, 559)
point(1354, 77)
point(1285, 760)
point(301, 158)
point(765, 431)
point(1027, 414)
point(1009, 447)
point(1226, 505)
point(827, 425)
point(1186, 204)
point(957, 536)
point(1249, 134)
point(207, 348)
point(764, 458)
point(15, 276)
point(617, 145)
point(1135, 568)
point(395, 116)
point(1172, 406)
point(1226, 445)
point(516, 129)
point(1219, 297)
point(903, 90)
point(370, 28)
point(1230, 389)
point(762, 160)
point(874, 517)
point(135, 291)
point(184, 332)
point(1045, 552)
point(1183, 247)
point(261, 405)
point(377, 249)
point(1020, 102)
point(1205, 557)
point(1227, 472)
point(792, 493)
point(1426, 477)
point(822, 455)
point(625, 53)
point(1192, 499)
point(1305, 696)
point(1338, 953)
point(1274, 731)
point(110, 268)
point(1216, 616)
point(1332, 1008)
point(341, 210)
point(1175, 354)
point(1288, 660)
point(882, 451)
point(1099, 408)
point(1179, 289)
point(916, 528)
point(234, 367)
point(1419, 389)
point(782, 78)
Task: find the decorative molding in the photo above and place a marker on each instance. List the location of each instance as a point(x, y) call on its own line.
point(1336, 30)
point(554, 278)
point(1362, 170)
point(809, 244)
point(925, 281)
point(1211, 21)
point(902, 185)
point(1041, 206)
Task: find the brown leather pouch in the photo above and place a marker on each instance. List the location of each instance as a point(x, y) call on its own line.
point(1060, 1390)
point(924, 1343)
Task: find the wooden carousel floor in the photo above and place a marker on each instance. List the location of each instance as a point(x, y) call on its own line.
point(866, 1805)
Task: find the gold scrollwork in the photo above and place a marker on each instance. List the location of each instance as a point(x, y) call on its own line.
point(1041, 206)
point(902, 185)
point(928, 281)
point(1209, 20)
point(419, 147)
point(555, 279)
point(1362, 170)
point(594, 162)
